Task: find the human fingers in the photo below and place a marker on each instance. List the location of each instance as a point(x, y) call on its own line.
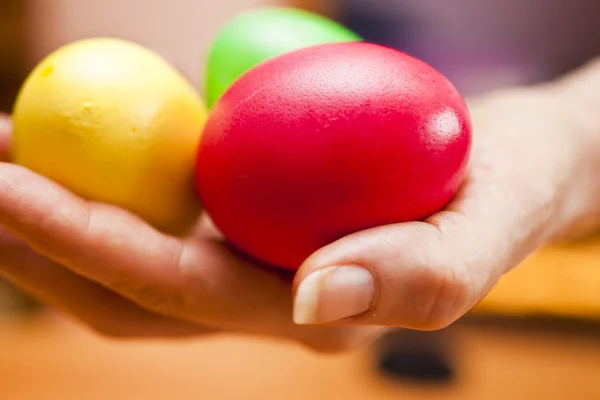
point(201, 280)
point(95, 306)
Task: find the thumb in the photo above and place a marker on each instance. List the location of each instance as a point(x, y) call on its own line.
point(420, 275)
point(402, 275)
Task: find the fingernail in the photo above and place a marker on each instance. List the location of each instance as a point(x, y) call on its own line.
point(332, 294)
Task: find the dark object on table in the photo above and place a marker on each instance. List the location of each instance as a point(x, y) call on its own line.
point(418, 357)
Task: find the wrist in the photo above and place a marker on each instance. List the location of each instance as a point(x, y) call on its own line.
point(578, 104)
point(552, 153)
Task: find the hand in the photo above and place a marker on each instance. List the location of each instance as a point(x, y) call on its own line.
point(124, 279)
point(533, 178)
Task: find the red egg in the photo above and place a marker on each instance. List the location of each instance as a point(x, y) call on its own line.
point(326, 141)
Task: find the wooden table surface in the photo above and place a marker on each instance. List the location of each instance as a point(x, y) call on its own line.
point(47, 358)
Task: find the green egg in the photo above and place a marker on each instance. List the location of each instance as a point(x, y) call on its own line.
point(258, 35)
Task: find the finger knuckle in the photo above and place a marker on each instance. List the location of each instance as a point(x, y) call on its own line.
point(439, 294)
point(163, 296)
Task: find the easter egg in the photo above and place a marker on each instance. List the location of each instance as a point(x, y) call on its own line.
point(258, 35)
point(325, 141)
point(114, 123)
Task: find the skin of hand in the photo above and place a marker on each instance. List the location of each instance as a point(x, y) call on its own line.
point(533, 178)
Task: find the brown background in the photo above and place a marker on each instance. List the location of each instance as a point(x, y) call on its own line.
point(12, 45)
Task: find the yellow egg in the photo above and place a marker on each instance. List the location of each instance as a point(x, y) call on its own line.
point(114, 123)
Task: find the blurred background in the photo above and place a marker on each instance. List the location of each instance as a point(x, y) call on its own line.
point(536, 336)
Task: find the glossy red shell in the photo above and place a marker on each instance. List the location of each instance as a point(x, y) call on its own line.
point(322, 142)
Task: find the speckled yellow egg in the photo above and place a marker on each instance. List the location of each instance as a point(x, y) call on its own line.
point(114, 123)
